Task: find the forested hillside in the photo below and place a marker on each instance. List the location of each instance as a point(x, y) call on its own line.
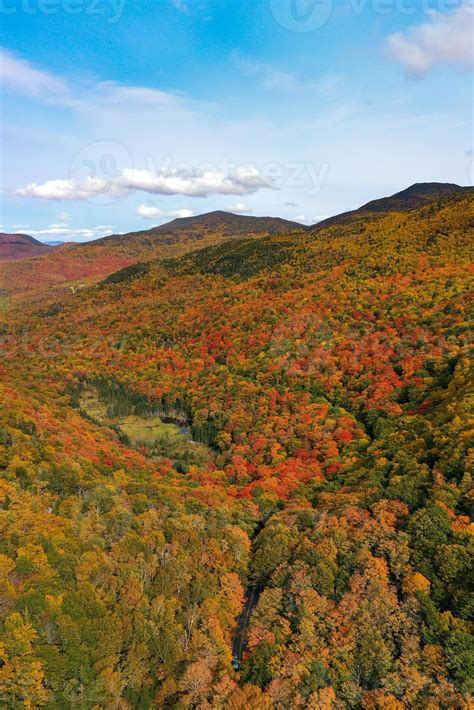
point(20, 246)
point(80, 265)
point(281, 425)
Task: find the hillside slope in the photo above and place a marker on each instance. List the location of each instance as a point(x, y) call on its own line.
point(386, 237)
point(228, 430)
point(87, 262)
point(21, 246)
point(412, 197)
point(83, 264)
point(225, 224)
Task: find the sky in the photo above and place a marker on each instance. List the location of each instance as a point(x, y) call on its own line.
point(117, 115)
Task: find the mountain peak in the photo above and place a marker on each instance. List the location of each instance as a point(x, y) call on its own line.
point(238, 222)
point(20, 246)
point(224, 225)
point(417, 195)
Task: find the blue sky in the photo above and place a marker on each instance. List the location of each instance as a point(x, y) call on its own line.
point(121, 114)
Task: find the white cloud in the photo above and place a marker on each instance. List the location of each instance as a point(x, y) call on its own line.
point(444, 39)
point(64, 189)
point(20, 76)
point(239, 208)
point(64, 217)
point(58, 232)
point(310, 220)
point(243, 181)
point(148, 212)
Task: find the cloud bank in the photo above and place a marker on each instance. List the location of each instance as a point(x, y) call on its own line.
point(19, 76)
point(444, 39)
point(244, 181)
point(64, 233)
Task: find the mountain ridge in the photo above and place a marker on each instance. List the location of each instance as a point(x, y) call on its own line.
point(411, 197)
point(416, 195)
point(420, 230)
point(228, 223)
point(21, 246)
point(69, 265)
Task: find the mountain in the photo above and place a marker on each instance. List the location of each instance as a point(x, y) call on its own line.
point(71, 265)
point(221, 225)
point(417, 195)
point(230, 224)
point(81, 265)
point(253, 457)
point(367, 236)
point(20, 246)
point(242, 477)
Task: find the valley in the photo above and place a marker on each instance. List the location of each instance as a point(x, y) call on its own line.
point(236, 355)
point(161, 434)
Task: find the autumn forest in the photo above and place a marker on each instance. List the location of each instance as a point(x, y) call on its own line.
point(235, 465)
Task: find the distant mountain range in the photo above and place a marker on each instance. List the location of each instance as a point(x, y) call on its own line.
point(71, 264)
point(231, 226)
